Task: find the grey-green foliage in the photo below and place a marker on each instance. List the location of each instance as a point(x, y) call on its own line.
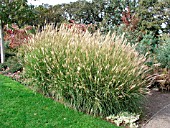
point(147, 45)
point(163, 54)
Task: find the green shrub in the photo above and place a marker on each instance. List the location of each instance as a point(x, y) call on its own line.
point(163, 54)
point(96, 74)
point(12, 65)
point(147, 45)
point(11, 62)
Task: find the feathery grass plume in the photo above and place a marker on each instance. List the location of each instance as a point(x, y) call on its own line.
point(95, 74)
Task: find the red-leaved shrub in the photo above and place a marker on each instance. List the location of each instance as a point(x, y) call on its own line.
point(16, 36)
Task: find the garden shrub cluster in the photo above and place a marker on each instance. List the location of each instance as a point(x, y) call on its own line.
point(96, 74)
point(12, 65)
point(161, 70)
point(163, 53)
point(14, 37)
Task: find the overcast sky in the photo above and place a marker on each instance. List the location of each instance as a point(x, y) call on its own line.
point(50, 2)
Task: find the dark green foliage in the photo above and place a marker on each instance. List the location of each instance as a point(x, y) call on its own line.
point(16, 11)
point(8, 54)
point(112, 14)
point(3, 67)
point(12, 65)
point(152, 14)
point(49, 15)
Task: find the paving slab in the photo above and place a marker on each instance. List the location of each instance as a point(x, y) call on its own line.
point(161, 119)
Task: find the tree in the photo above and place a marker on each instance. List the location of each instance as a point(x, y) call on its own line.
point(48, 14)
point(110, 12)
point(154, 13)
point(14, 11)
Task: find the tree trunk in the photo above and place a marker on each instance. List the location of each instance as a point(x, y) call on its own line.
point(2, 43)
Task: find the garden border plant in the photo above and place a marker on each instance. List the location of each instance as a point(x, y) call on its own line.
point(14, 37)
point(96, 74)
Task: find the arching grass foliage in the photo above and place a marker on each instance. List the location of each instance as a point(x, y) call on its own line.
point(96, 74)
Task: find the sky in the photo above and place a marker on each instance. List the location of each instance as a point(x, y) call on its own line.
point(50, 2)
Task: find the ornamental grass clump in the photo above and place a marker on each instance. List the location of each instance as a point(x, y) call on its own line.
point(95, 74)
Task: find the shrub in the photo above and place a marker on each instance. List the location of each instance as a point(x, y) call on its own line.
point(11, 65)
point(163, 54)
point(15, 36)
point(160, 77)
point(147, 45)
point(96, 74)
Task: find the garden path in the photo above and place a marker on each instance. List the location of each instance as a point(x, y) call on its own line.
point(157, 110)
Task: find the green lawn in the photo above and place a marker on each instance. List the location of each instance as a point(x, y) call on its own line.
point(22, 108)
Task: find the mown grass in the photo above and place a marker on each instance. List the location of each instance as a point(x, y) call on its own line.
point(22, 108)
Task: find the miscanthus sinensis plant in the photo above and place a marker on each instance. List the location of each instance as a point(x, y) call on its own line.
point(95, 74)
